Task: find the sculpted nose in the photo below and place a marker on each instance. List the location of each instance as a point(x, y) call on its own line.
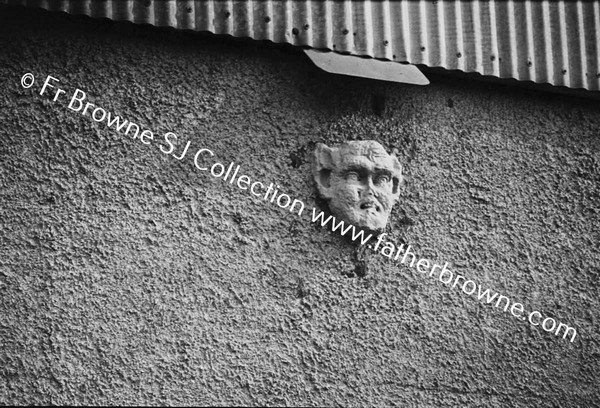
point(367, 188)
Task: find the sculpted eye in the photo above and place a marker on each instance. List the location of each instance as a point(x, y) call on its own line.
point(352, 176)
point(382, 179)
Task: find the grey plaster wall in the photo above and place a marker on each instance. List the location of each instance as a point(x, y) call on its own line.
point(128, 277)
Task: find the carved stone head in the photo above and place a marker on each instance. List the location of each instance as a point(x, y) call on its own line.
point(360, 181)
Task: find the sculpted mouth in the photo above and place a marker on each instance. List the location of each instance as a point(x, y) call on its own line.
point(370, 205)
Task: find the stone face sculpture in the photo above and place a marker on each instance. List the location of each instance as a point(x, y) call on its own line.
point(359, 180)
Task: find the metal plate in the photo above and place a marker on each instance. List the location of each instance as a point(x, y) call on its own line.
point(366, 67)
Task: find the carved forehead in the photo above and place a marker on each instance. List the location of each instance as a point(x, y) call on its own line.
point(368, 154)
point(371, 149)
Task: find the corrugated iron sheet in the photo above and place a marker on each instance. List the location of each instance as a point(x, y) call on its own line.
point(557, 42)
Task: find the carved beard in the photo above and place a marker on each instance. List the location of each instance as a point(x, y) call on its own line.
point(364, 211)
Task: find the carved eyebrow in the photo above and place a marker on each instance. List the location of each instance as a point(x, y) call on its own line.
point(357, 169)
point(383, 172)
point(379, 171)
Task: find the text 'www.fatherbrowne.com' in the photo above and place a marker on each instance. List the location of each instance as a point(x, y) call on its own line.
point(444, 275)
point(169, 144)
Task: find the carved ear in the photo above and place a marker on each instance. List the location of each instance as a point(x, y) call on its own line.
point(322, 168)
point(397, 177)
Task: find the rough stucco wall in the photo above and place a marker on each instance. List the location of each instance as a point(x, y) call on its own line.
point(127, 277)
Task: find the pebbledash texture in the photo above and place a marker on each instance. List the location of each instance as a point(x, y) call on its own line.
point(359, 180)
point(130, 277)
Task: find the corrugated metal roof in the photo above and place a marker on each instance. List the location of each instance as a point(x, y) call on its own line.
point(557, 42)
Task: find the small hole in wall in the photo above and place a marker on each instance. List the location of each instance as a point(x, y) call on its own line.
point(298, 157)
point(295, 31)
point(450, 103)
point(301, 289)
point(295, 159)
point(361, 268)
point(361, 263)
point(378, 104)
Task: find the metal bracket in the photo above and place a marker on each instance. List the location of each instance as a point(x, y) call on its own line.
point(367, 67)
